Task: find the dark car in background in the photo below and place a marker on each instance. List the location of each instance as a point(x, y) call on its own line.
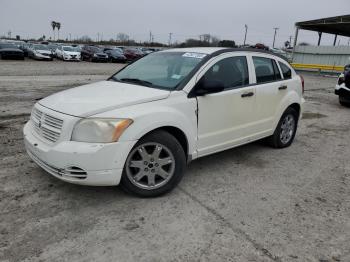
point(342, 89)
point(115, 55)
point(133, 54)
point(10, 51)
point(93, 54)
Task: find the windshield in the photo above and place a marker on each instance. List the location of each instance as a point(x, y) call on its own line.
point(116, 51)
point(160, 70)
point(69, 49)
point(96, 49)
point(41, 47)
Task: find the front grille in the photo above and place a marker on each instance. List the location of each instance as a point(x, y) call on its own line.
point(46, 126)
point(73, 56)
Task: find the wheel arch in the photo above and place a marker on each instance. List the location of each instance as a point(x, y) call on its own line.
point(292, 103)
point(177, 133)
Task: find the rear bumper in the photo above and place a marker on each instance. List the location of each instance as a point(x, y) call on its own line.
point(99, 164)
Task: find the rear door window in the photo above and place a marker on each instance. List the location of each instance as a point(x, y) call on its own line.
point(266, 70)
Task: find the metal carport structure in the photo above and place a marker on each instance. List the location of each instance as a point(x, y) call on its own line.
point(336, 25)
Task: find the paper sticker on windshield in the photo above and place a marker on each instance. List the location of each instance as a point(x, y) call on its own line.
point(194, 55)
point(176, 76)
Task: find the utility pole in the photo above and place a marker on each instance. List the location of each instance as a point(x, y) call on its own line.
point(170, 35)
point(290, 40)
point(245, 35)
point(274, 36)
point(150, 36)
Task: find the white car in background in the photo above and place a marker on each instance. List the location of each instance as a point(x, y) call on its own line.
point(143, 125)
point(68, 53)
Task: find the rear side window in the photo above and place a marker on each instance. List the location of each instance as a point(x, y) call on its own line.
point(286, 71)
point(266, 70)
point(231, 71)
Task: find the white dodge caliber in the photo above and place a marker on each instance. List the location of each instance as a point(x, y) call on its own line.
point(143, 125)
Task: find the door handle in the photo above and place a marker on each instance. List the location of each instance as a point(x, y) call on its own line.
point(247, 94)
point(282, 87)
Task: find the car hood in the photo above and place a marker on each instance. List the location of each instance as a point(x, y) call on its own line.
point(92, 99)
point(11, 50)
point(48, 52)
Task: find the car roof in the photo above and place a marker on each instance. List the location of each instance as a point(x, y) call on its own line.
point(215, 51)
point(203, 50)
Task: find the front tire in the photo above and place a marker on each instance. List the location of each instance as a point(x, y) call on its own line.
point(285, 130)
point(155, 165)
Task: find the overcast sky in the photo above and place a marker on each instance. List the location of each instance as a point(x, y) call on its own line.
point(184, 18)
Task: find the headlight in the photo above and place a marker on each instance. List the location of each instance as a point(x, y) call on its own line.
point(95, 55)
point(100, 130)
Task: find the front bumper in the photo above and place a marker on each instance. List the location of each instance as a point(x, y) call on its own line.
point(342, 91)
point(12, 55)
point(71, 58)
point(95, 164)
point(42, 57)
point(99, 59)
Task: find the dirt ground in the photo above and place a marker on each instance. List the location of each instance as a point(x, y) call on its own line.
point(251, 203)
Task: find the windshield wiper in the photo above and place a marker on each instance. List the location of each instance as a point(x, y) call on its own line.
point(136, 80)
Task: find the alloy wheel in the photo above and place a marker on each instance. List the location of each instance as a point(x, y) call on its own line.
point(150, 166)
point(287, 129)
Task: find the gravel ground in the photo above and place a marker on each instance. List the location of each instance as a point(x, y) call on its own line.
point(251, 203)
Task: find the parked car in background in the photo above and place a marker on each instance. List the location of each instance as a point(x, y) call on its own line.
point(145, 123)
point(10, 51)
point(67, 53)
point(93, 54)
point(146, 50)
point(40, 52)
point(53, 47)
point(342, 89)
point(24, 47)
point(77, 48)
point(116, 55)
point(132, 54)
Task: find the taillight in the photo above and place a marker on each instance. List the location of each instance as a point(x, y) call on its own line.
point(302, 83)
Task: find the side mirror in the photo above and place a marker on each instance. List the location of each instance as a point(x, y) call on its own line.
point(205, 87)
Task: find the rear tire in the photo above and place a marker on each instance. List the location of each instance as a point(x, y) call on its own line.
point(285, 130)
point(154, 166)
